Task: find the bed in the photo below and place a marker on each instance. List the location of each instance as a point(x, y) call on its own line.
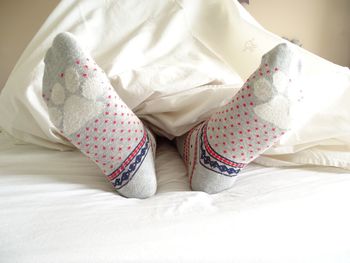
point(58, 207)
point(290, 205)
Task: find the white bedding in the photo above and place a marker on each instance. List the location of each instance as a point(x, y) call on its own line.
point(58, 207)
point(162, 57)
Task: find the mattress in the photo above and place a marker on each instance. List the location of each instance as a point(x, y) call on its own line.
point(58, 207)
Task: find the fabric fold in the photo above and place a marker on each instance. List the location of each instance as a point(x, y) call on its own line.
point(162, 58)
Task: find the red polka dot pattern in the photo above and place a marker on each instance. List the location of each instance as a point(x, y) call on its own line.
point(235, 131)
point(215, 151)
point(113, 135)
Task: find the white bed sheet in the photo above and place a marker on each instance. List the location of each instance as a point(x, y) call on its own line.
point(57, 207)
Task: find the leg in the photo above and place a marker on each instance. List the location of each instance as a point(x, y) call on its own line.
point(259, 114)
point(88, 112)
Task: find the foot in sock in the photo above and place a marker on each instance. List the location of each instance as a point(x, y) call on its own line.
point(259, 114)
point(87, 111)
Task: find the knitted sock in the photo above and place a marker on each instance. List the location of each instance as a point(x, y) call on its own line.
point(88, 112)
point(259, 114)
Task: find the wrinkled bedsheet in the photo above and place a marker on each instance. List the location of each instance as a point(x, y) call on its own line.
point(58, 207)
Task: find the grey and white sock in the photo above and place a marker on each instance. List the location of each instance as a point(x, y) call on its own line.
point(259, 114)
point(88, 112)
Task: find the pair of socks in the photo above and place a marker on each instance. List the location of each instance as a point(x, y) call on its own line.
point(88, 112)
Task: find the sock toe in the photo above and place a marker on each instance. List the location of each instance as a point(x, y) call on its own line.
point(284, 57)
point(66, 44)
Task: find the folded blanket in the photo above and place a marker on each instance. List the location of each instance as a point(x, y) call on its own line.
point(174, 63)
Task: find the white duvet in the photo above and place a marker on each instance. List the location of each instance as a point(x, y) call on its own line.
point(58, 207)
point(174, 62)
